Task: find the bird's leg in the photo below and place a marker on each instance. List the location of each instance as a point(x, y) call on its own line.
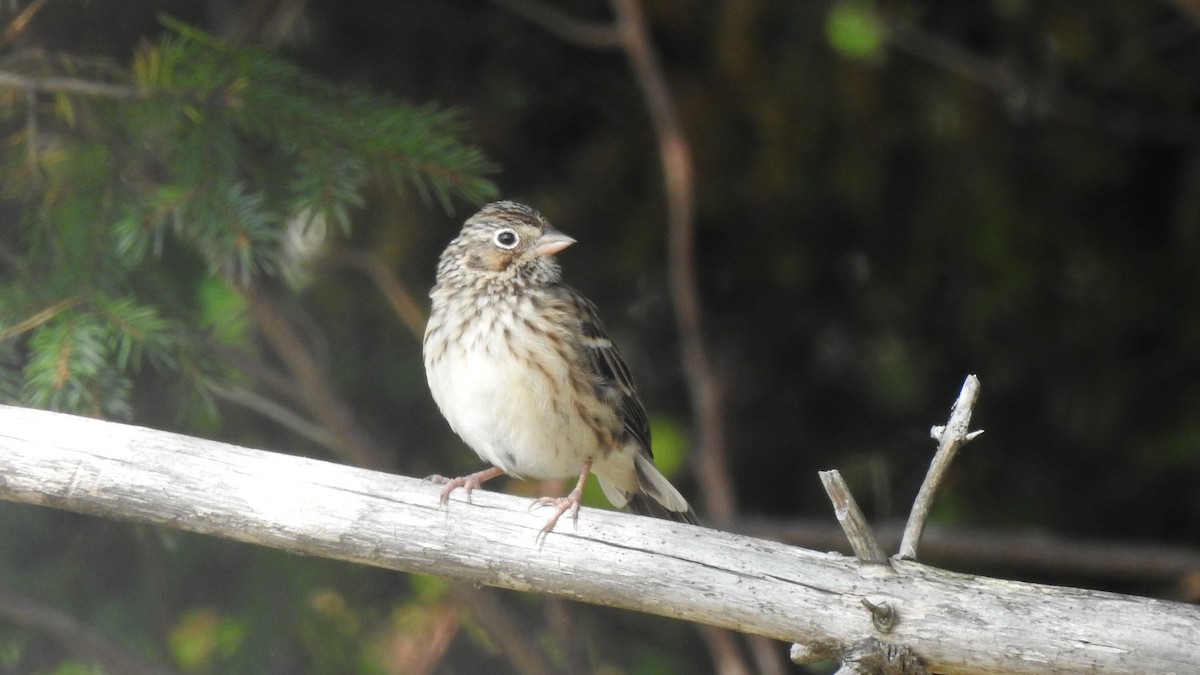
point(563, 504)
point(470, 482)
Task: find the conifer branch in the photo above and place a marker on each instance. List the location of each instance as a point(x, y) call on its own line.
point(212, 145)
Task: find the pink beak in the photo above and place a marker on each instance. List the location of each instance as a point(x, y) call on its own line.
point(551, 242)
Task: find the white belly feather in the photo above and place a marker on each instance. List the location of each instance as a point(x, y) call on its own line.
point(507, 412)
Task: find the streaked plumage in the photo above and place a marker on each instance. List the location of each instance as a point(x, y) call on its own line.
point(522, 369)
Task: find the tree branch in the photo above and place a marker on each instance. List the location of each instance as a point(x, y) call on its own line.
point(708, 408)
point(402, 302)
point(278, 413)
point(596, 35)
point(21, 21)
point(1023, 553)
point(955, 623)
point(504, 630)
point(313, 384)
point(70, 85)
point(1028, 95)
point(950, 438)
point(850, 517)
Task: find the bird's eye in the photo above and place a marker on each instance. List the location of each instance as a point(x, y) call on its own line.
point(505, 239)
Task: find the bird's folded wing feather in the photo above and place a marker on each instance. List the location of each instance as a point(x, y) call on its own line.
point(606, 362)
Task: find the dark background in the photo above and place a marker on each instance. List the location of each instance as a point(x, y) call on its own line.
point(1004, 188)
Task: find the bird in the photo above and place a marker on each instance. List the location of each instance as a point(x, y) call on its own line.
point(521, 367)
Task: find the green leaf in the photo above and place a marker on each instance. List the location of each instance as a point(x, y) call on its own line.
point(855, 30)
point(223, 311)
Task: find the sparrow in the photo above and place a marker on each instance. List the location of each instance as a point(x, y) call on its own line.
point(522, 369)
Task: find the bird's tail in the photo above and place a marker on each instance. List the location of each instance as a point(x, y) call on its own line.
point(646, 505)
point(655, 495)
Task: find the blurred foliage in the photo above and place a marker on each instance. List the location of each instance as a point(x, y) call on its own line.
point(228, 152)
point(202, 637)
point(890, 195)
point(854, 30)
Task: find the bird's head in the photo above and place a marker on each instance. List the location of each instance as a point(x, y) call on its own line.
point(505, 242)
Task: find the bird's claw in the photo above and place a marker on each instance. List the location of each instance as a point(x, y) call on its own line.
point(561, 505)
point(452, 484)
point(469, 483)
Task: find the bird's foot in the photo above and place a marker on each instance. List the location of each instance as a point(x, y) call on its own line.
point(564, 504)
point(561, 505)
point(470, 482)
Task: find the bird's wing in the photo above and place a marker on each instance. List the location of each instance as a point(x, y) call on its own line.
point(606, 362)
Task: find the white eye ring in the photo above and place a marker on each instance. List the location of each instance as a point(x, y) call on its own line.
point(506, 239)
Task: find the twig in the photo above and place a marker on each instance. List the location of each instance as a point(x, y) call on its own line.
point(703, 383)
point(723, 649)
point(1189, 7)
point(21, 21)
point(562, 618)
point(39, 318)
point(704, 386)
point(315, 387)
point(397, 295)
point(767, 656)
point(1028, 95)
point(950, 438)
point(69, 85)
point(565, 26)
point(946, 54)
point(32, 139)
point(266, 25)
point(503, 628)
point(278, 413)
point(253, 365)
point(850, 517)
point(1024, 554)
point(409, 647)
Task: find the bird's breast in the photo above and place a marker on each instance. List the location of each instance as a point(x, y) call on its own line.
point(507, 381)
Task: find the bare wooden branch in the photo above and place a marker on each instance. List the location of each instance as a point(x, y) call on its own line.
point(850, 517)
point(596, 35)
point(873, 657)
point(21, 21)
point(950, 438)
point(957, 623)
point(1029, 553)
point(724, 651)
point(403, 303)
point(69, 85)
point(278, 413)
point(32, 136)
point(1189, 7)
point(1027, 93)
point(704, 385)
point(803, 654)
point(504, 629)
point(314, 385)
